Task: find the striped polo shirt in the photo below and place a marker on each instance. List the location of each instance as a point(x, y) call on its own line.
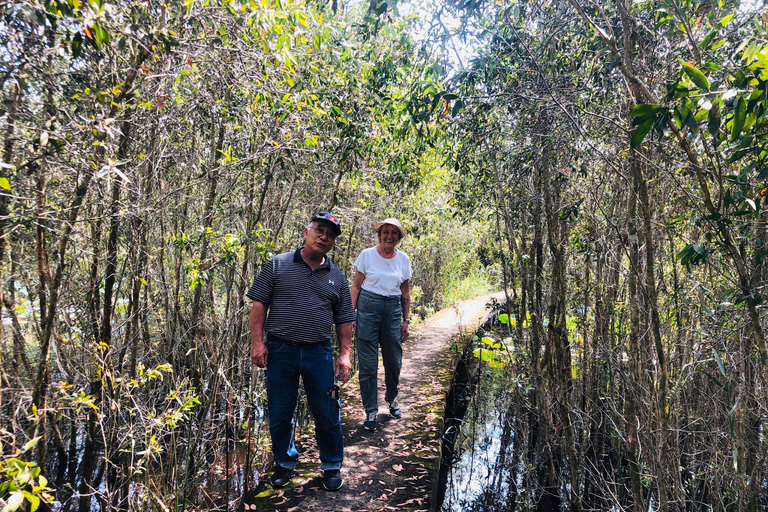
point(303, 303)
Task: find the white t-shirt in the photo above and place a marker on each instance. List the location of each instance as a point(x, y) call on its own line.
point(384, 276)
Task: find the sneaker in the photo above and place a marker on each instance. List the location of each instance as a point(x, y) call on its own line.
point(280, 476)
point(332, 479)
point(394, 409)
point(370, 421)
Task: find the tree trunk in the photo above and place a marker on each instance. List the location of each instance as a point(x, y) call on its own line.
point(636, 374)
point(557, 236)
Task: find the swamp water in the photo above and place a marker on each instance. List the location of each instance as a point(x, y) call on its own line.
point(478, 471)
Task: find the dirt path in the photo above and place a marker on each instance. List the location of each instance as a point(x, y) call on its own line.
point(395, 467)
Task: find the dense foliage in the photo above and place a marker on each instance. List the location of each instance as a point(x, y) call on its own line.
point(621, 148)
point(603, 162)
point(155, 154)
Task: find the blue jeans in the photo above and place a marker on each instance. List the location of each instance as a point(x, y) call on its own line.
point(378, 324)
point(314, 364)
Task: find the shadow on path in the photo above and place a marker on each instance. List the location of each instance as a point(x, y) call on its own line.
point(394, 468)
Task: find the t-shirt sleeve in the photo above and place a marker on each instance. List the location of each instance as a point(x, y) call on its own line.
point(342, 309)
point(361, 263)
point(408, 268)
point(264, 284)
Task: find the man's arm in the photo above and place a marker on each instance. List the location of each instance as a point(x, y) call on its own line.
point(256, 321)
point(343, 364)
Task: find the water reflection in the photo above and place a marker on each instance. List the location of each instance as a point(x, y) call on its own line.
point(477, 472)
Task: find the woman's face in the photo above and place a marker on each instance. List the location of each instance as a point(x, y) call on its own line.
point(389, 235)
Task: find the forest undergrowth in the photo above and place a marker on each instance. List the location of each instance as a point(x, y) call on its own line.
point(604, 162)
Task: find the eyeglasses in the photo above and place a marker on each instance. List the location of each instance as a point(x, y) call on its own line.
point(322, 232)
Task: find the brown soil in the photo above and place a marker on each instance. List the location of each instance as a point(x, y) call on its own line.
point(394, 468)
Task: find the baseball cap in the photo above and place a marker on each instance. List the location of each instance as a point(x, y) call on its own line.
point(326, 216)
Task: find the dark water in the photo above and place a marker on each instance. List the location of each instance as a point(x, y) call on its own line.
point(478, 470)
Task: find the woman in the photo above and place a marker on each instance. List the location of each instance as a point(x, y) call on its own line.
point(381, 294)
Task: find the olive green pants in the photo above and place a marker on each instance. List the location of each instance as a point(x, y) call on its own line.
point(379, 323)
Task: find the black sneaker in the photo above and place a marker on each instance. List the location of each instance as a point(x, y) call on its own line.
point(332, 479)
point(394, 409)
point(280, 476)
point(370, 421)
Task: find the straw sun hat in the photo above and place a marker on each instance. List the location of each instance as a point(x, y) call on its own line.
point(393, 222)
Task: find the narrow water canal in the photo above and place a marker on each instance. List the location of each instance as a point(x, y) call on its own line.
point(481, 468)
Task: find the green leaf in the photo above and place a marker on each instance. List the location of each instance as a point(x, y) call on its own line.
point(33, 500)
point(504, 318)
point(719, 362)
point(77, 45)
point(640, 133)
point(100, 34)
point(457, 105)
point(692, 254)
point(31, 443)
point(644, 110)
point(718, 44)
point(739, 116)
point(696, 76)
point(705, 42)
point(15, 501)
point(725, 20)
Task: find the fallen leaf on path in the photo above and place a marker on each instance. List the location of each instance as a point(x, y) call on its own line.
point(373, 468)
point(397, 467)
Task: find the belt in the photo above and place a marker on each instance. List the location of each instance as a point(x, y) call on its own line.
point(388, 298)
point(292, 343)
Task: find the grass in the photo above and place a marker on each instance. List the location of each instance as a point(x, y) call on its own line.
point(467, 287)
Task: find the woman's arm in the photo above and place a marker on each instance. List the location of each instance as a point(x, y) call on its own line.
point(405, 290)
point(356, 284)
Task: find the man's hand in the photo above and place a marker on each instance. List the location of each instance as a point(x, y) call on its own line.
point(256, 322)
point(404, 330)
point(343, 367)
point(259, 354)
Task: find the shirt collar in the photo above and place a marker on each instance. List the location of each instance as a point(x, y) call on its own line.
point(297, 258)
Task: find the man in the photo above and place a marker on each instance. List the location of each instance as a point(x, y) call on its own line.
point(305, 294)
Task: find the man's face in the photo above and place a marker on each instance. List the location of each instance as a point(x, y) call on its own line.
point(320, 236)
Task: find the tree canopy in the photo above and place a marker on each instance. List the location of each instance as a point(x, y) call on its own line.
point(602, 162)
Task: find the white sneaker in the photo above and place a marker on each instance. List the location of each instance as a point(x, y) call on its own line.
point(394, 409)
